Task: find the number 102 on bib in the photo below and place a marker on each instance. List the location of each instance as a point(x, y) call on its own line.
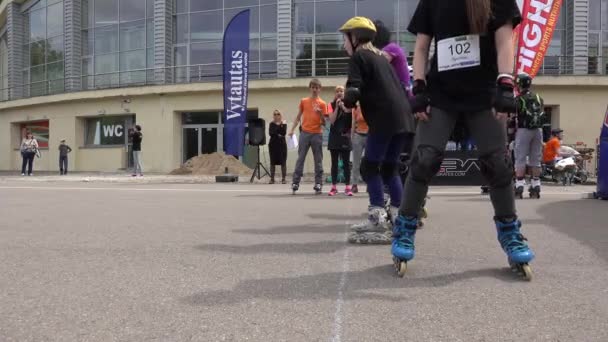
point(458, 53)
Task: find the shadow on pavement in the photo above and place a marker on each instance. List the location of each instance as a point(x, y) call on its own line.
point(480, 199)
point(339, 217)
point(283, 248)
point(304, 195)
point(324, 286)
point(448, 195)
point(295, 229)
point(582, 220)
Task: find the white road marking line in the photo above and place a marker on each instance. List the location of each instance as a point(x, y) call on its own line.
point(431, 193)
point(134, 189)
point(338, 320)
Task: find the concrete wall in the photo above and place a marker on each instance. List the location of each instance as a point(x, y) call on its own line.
point(581, 104)
point(580, 113)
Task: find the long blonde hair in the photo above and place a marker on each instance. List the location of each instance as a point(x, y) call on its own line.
point(479, 13)
point(369, 46)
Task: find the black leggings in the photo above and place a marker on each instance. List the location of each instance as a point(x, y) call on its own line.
point(490, 136)
point(336, 155)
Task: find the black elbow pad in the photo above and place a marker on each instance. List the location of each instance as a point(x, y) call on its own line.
point(351, 97)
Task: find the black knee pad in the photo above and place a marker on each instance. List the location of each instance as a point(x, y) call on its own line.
point(369, 169)
point(497, 169)
point(389, 170)
point(425, 163)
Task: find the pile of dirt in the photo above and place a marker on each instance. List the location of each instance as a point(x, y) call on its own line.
point(212, 164)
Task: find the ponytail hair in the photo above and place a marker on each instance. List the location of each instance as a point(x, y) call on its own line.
point(383, 35)
point(478, 12)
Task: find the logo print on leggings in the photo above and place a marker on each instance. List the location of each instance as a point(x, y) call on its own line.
point(453, 167)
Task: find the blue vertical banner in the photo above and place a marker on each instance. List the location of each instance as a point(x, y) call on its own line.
point(236, 82)
point(602, 163)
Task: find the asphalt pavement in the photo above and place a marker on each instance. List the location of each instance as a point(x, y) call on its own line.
point(238, 262)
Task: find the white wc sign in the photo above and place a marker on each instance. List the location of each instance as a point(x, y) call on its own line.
point(110, 131)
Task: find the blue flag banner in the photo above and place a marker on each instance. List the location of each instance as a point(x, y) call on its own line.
point(236, 82)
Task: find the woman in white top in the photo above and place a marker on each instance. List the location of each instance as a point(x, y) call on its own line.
point(29, 146)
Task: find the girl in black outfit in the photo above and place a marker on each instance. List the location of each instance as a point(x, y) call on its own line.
point(470, 76)
point(277, 146)
point(339, 143)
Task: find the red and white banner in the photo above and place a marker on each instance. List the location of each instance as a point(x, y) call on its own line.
point(534, 34)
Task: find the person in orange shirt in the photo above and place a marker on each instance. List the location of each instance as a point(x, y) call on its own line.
point(358, 140)
point(311, 114)
point(551, 150)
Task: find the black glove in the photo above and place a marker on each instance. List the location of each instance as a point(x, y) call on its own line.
point(351, 96)
point(504, 101)
point(421, 98)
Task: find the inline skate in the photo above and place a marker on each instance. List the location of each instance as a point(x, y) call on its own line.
point(515, 246)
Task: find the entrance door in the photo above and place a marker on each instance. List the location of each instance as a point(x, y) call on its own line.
point(201, 139)
point(209, 140)
point(191, 143)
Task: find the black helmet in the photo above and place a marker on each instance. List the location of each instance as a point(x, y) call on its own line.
point(524, 81)
point(556, 131)
point(383, 35)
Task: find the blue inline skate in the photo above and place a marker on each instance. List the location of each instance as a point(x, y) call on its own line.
point(404, 234)
point(515, 246)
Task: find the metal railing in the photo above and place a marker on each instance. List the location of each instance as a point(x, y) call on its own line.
point(553, 65)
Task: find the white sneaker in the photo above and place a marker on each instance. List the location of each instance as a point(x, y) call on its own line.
point(23, 174)
point(377, 221)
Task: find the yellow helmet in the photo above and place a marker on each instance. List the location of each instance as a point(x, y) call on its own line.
point(361, 28)
point(358, 23)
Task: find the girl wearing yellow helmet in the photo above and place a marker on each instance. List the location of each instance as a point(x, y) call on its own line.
point(373, 83)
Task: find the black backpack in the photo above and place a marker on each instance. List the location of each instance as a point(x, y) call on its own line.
point(532, 112)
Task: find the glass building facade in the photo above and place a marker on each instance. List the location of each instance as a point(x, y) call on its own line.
point(54, 46)
point(117, 42)
point(3, 67)
point(598, 37)
point(44, 48)
point(198, 30)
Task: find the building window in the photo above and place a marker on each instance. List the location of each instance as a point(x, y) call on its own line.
point(556, 60)
point(598, 37)
point(3, 67)
point(39, 129)
point(118, 42)
point(45, 71)
point(107, 130)
point(198, 33)
point(318, 47)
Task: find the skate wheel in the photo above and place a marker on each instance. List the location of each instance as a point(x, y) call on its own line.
point(400, 267)
point(526, 271)
point(424, 213)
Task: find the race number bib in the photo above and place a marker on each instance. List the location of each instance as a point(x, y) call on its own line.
point(458, 52)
